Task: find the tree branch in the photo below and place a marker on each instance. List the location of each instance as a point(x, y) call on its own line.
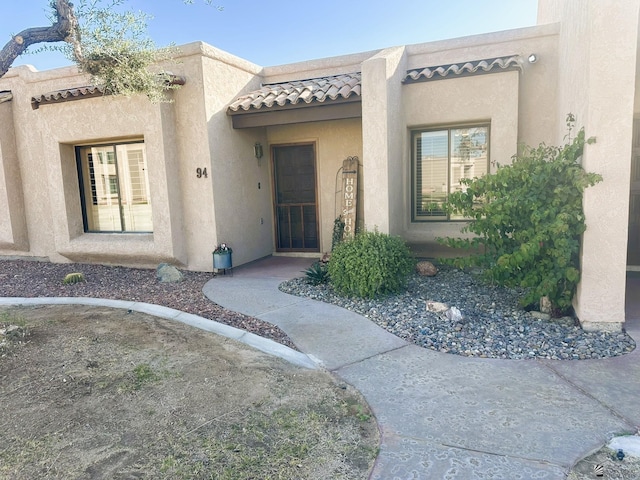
point(62, 30)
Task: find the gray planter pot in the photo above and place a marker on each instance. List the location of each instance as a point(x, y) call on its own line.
point(222, 261)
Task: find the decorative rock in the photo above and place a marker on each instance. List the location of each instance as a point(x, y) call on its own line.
point(168, 274)
point(540, 315)
point(426, 269)
point(494, 326)
point(545, 305)
point(454, 314)
point(437, 307)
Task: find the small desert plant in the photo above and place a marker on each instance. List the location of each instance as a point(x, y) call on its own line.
point(72, 278)
point(370, 265)
point(317, 273)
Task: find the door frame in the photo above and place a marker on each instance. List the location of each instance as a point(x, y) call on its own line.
point(274, 184)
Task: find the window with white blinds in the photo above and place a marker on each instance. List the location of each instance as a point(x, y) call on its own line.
point(441, 158)
point(114, 188)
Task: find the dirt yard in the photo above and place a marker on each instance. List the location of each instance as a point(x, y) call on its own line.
point(98, 393)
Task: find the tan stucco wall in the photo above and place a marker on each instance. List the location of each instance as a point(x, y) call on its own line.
point(519, 105)
point(538, 82)
point(488, 98)
point(334, 141)
point(240, 182)
point(44, 144)
point(190, 214)
point(91, 120)
point(597, 78)
point(13, 227)
point(382, 120)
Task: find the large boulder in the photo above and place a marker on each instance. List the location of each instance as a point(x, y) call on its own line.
point(168, 274)
point(426, 269)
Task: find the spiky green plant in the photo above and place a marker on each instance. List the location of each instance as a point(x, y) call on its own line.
point(317, 273)
point(72, 278)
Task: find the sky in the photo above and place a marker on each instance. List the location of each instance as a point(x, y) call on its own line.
point(270, 33)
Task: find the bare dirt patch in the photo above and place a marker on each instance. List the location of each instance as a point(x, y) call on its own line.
point(98, 393)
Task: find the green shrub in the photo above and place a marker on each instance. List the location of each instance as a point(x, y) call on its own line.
point(528, 219)
point(317, 273)
point(370, 265)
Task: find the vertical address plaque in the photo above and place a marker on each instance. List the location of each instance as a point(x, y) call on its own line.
point(349, 195)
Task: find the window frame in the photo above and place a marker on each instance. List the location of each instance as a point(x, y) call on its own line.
point(448, 128)
point(111, 160)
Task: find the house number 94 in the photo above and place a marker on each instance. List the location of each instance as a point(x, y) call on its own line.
point(201, 172)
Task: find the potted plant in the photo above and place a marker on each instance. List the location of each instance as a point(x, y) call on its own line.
point(222, 257)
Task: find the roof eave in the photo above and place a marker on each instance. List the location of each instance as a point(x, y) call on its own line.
point(294, 106)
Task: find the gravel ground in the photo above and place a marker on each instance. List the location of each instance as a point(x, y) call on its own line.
point(20, 278)
point(493, 323)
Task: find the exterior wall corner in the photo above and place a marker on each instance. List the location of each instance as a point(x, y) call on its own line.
point(382, 136)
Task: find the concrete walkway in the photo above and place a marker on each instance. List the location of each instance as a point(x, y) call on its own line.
point(444, 416)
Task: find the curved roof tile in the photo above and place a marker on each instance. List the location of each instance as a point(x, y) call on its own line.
point(462, 69)
point(89, 91)
point(308, 91)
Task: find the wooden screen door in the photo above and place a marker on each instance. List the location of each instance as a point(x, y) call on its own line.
point(633, 245)
point(295, 198)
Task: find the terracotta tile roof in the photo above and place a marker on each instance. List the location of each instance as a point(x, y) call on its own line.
point(475, 67)
point(5, 95)
point(89, 91)
point(314, 90)
point(66, 95)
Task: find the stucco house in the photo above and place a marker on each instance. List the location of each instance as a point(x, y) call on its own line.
point(252, 155)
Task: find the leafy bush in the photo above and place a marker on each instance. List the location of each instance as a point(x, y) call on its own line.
point(317, 273)
point(370, 265)
point(528, 219)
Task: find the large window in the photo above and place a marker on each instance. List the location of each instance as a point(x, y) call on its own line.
point(114, 188)
point(441, 158)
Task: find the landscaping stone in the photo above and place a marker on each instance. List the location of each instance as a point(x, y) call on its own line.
point(454, 315)
point(437, 307)
point(495, 325)
point(168, 274)
point(540, 315)
point(426, 269)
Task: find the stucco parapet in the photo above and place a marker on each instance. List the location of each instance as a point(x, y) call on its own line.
point(29, 74)
point(209, 51)
point(388, 53)
point(474, 41)
point(323, 67)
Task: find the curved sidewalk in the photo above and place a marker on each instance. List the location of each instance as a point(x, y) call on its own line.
point(442, 415)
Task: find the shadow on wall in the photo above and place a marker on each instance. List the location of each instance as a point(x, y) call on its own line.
point(632, 304)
